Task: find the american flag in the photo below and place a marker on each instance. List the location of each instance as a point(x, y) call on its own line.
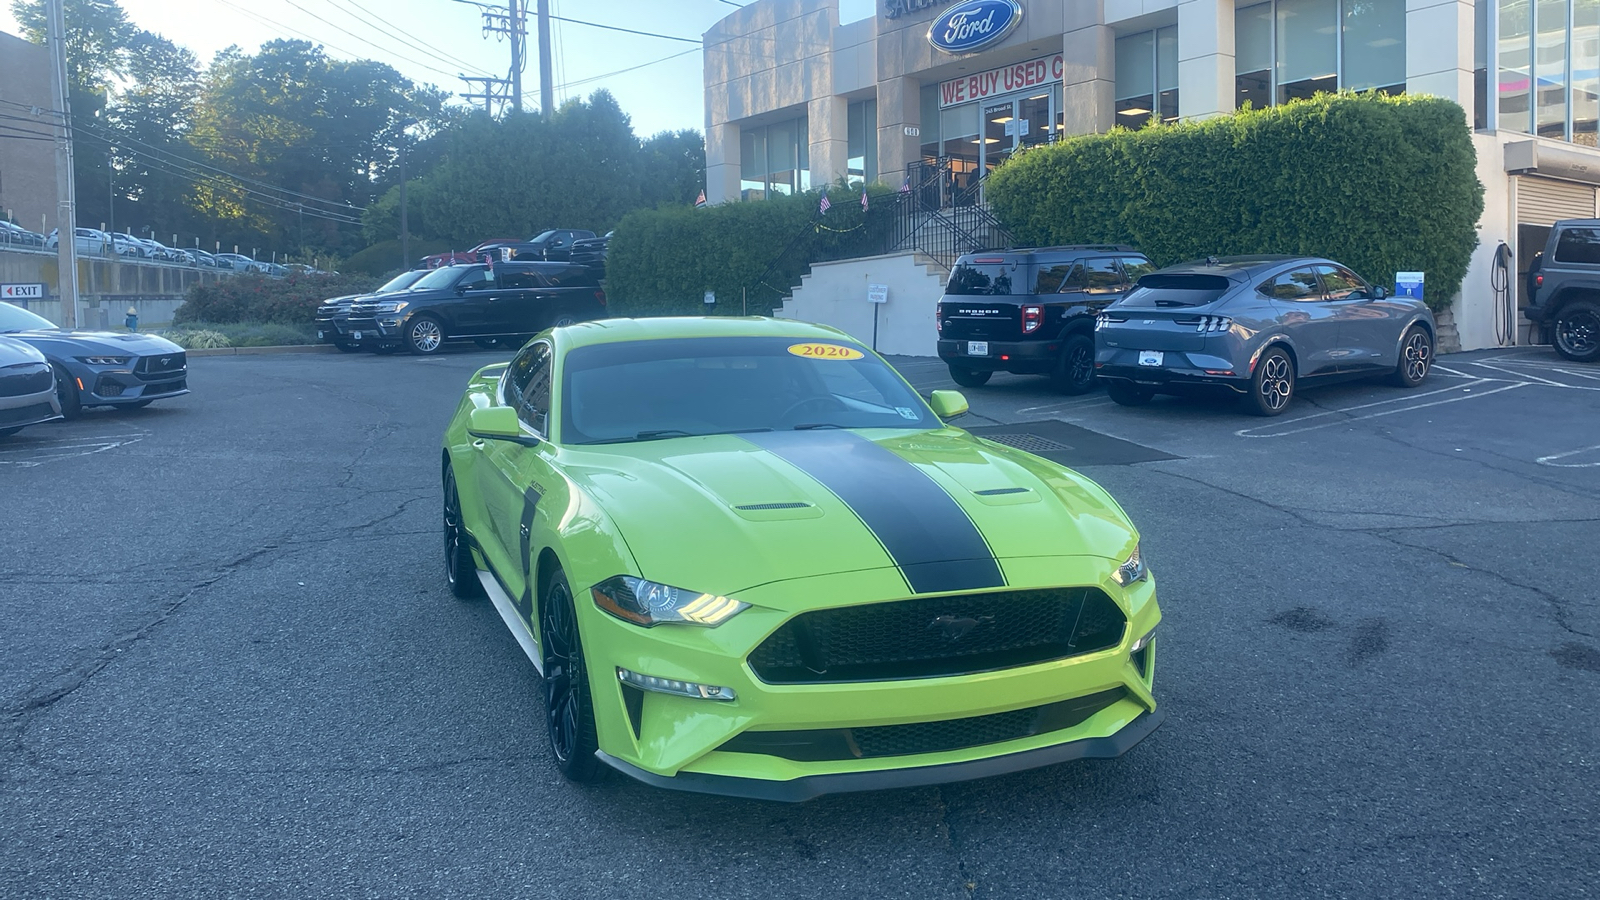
point(863, 198)
point(905, 186)
point(823, 206)
point(700, 202)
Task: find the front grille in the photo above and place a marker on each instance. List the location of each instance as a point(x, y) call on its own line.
point(105, 387)
point(928, 637)
point(820, 745)
point(25, 414)
point(160, 365)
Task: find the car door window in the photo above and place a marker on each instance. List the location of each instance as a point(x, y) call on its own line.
point(1075, 280)
point(1295, 284)
point(534, 408)
point(476, 280)
point(1103, 275)
point(1339, 283)
point(518, 279)
point(1051, 278)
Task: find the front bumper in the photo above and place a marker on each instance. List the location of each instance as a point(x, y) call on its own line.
point(375, 332)
point(689, 743)
point(1020, 357)
point(22, 401)
point(127, 385)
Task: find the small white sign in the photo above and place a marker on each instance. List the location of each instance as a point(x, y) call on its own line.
point(21, 292)
point(711, 297)
point(877, 293)
point(913, 131)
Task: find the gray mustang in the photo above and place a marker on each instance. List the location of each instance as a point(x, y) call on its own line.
point(1259, 326)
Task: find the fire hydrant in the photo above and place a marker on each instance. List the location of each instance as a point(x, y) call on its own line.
point(132, 321)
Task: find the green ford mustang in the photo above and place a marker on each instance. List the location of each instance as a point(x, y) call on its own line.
point(749, 559)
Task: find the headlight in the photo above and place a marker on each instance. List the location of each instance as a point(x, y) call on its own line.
point(105, 360)
point(1132, 570)
point(390, 306)
point(648, 603)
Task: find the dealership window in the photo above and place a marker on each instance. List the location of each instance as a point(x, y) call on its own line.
point(1291, 49)
point(1147, 77)
point(1547, 53)
point(774, 159)
point(862, 138)
point(1480, 65)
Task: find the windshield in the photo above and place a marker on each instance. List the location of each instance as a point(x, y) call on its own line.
point(644, 390)
point(1176, 290)
point(15, 318)
point(402, 281)
point(986, 278)
point(439, 278)
point(542, 236)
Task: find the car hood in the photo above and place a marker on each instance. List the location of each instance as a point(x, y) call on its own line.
point(109, 342)
point(724, 513)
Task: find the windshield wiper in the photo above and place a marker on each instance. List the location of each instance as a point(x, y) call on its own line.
point(812, 426)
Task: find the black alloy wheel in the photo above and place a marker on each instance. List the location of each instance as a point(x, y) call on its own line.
point(562, 318)
point(569, 710)
point(1577, 331)
point(460, 571)
point(969, 377)
point(1125, 393)
point(424, 336)
point(1272, 385)
point(1416, 358)
point(1074, 371)
point(67, 393)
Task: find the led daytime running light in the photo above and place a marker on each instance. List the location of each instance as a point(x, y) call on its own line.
point(691, 689)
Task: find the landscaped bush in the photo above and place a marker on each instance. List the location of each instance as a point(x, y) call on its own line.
point(257, 298)
point(662, 261)
point(197, 339)
point(1382, 184)
point(204, 335)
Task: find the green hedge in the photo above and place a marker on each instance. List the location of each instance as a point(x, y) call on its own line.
point(662, 261)
point(1382, 184)
point(259, 299)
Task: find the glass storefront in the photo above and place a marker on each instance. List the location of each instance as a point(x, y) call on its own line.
point(774, 158)
point(1547, 59)
point(1291, 49)
point(974, 124)
point(862, 138)
point(1147, 77)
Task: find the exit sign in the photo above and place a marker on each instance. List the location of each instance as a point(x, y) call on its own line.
point(21, 292)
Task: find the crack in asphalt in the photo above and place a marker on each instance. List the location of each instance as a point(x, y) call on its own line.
point(969, 882)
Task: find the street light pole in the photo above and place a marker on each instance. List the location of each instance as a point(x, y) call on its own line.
point(66, 211)
point(405, 228)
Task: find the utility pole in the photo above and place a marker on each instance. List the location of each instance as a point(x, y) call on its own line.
point(111, 189)
point(519, 30)
point(547, 88)
point(405, 229)
point(66, 214)
point(489, 95)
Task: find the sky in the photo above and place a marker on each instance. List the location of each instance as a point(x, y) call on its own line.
point(658, 95)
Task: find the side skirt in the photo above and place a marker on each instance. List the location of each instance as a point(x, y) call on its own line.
point(507, 609)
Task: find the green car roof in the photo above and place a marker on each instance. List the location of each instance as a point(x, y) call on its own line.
point(613, 331)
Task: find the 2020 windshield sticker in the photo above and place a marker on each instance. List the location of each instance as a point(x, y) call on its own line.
point(825, 351)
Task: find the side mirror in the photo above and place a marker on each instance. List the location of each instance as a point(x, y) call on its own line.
point(498, 423)
point(947, 404)
point(1379, 292)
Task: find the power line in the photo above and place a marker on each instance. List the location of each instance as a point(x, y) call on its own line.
point(376, 23)
point(666, 37)
point(358, 37)
point(629, 69)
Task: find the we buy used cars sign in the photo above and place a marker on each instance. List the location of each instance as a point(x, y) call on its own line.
point(1004, 80)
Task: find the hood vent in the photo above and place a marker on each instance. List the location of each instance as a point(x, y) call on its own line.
point(767, 506)
point(995, 492)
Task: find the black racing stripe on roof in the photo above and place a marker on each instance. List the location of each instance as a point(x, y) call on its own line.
point(923, 529)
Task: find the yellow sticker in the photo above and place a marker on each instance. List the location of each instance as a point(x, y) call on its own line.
point(825, 351)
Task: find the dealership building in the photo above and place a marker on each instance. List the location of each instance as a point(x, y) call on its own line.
point(795, 97)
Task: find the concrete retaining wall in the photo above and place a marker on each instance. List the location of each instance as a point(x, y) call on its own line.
point(106, 287)
point(835, 294)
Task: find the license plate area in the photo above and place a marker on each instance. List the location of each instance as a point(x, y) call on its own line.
point(977, 348)
point(1153, 358)
point(355, 335)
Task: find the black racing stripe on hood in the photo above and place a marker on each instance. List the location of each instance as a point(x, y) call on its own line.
point(927, 534)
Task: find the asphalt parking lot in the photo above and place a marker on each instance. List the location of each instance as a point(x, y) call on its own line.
point(230, 666)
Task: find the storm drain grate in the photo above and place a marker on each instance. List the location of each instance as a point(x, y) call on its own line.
point(1029, 442)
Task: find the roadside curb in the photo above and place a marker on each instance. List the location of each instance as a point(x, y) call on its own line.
point(257, 351)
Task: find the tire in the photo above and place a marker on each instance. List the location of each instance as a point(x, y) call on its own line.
point(67, 394)
point(460, 572)
point(969, 377)
point(1074, 370)
point(424, 336)
point(1125, 394)
point(1575, 333)
point(346, 346)
point(569, 709)
point(1272, 384)
point(1416, 358)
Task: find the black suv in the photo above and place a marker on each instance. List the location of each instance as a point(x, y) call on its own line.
point(1564, 289)
point(1032, 312)
point(489, 304)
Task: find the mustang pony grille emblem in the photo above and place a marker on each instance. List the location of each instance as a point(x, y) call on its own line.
point(954, 628)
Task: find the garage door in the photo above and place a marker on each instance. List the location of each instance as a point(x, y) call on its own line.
point(1544, 201)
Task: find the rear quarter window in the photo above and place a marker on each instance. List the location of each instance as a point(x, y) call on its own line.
point(1579, 245)
point(1155, 291)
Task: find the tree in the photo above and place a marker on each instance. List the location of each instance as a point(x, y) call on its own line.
point(673, 169)
point(145, 128)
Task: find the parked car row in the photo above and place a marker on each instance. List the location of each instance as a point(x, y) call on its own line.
point(1255, 326)
point(552, 245)
point(94, 242)
point(492, 304)
point(50, 373)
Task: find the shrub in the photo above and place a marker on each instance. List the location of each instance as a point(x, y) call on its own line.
point(241, 334)
point(1382, 184)
point(662, 261)
point(257, 298)
point(200, 339)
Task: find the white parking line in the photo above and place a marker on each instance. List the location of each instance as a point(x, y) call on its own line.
point(35, 453)
point(1551, 460)
point(1246, 432)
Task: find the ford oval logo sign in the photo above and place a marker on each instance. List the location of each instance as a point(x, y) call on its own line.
point(974, 24)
